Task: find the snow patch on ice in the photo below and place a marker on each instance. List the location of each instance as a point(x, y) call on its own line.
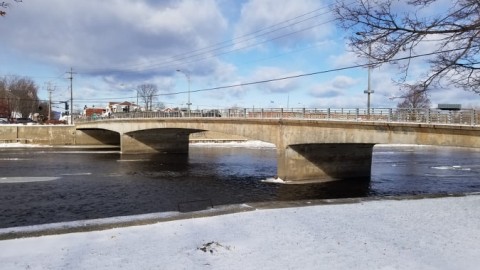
point(10, 180)
point(77, 174)
point(245, 144)
point(274, 180)
point(454, 167)
point(133, 160)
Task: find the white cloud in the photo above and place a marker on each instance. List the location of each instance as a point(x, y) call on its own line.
point(304, 17)
point(113, 34)
point(280, 86)
point(336, 87)
point(335, 93)
point(343, 82)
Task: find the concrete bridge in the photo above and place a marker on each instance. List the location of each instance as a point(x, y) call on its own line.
point(307, 149)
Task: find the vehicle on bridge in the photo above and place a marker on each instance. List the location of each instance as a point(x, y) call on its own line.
point(212, 113)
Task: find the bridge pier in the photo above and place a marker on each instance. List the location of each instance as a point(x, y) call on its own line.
point(324, 162)
point(154, 141)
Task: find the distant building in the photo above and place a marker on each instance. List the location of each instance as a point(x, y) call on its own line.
point(94, 112)
point(115, 107)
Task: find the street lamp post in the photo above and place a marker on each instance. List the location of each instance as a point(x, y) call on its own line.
point(187, 75)
point(369, 90)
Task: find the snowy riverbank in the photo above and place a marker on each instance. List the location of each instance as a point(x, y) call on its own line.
point(435, 233)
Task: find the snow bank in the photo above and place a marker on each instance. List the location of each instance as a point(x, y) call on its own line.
point(20, 145)
point(438, 233)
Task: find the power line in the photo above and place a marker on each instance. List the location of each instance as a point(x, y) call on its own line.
point(225, 44)
point(299, 75)
point(244, 47)
point(320, 72)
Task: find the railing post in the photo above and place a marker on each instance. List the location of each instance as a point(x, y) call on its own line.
point(281, 113)
point(328, 113)
point(261, 114)
point(303, 112)
point(357, 114)
point(244, 113)
point(390, 114)
point(472, 118)
point(428, 116)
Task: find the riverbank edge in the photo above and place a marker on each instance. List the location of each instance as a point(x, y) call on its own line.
point(152, 218)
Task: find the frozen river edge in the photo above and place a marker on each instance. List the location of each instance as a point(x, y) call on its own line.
point(152, 218)
point(396, 233)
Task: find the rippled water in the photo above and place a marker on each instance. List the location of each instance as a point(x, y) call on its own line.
point(50, 185)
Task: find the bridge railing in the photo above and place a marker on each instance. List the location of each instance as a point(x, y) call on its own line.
point(468, 117)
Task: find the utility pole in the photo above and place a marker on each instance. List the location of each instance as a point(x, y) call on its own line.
point(71, 94)
point(187, 75)
point(50, 90)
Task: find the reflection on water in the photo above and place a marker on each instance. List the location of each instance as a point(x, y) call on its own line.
point(96, 184)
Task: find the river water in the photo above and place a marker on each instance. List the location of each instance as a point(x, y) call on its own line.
point(45, 185)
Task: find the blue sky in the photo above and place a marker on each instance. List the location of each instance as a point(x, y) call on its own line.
point(115, 45)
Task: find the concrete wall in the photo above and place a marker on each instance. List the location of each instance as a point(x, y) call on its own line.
point(38, 134)
point(68, 135)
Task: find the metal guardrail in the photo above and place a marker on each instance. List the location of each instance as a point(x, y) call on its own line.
point(466, 117)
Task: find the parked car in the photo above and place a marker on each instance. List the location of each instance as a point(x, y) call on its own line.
point(24, 121)
point(4, 121)
point(212, 113)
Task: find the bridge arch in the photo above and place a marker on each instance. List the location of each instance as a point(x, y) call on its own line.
point(94, 136)
point(157, 140)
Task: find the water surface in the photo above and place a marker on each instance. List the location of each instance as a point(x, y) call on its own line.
point(45, 185)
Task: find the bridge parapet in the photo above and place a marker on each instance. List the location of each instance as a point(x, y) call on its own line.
point(467, 117)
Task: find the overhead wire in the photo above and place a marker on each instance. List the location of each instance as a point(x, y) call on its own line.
point(301, 75)
point(225, 44)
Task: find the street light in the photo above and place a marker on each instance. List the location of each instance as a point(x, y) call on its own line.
point(369, 90)
point(187, 75)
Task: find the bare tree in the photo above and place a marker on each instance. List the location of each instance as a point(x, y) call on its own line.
point(415, 98)
point(147, 93)
point(19, 96)
point(5, 110)
point(4, 5)
point(394, 29)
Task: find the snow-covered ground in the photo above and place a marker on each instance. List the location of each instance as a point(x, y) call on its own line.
point(435, 233)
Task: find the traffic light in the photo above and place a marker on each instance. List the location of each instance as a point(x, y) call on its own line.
point(66, 106)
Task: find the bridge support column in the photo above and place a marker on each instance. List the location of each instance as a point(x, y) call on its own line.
point(154, 141)
point(324, 162)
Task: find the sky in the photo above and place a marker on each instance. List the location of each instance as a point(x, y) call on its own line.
point(112, 46)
